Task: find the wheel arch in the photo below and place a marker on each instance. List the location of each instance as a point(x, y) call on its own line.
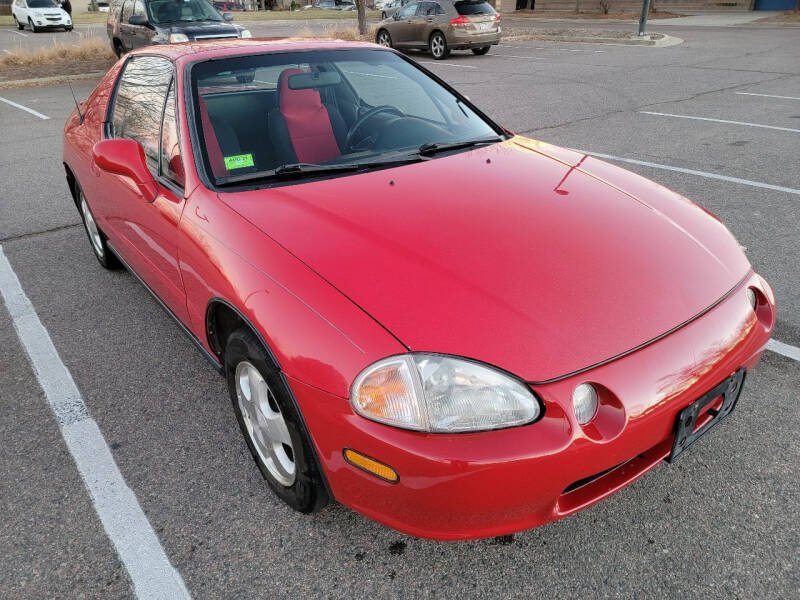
point(72, 183)
point(223, 318)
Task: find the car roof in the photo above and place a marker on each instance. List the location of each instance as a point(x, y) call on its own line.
point(195, 51)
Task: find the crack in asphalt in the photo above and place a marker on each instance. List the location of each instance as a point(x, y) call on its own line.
point(23, 236)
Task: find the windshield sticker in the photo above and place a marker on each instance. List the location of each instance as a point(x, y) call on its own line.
point(239, 161)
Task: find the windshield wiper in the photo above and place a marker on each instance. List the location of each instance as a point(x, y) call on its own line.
point(303, 170)
point(432, 148)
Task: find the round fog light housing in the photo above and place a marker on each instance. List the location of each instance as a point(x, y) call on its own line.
point(584, 402)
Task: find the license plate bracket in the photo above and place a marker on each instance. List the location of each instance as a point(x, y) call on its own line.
point(685, 434)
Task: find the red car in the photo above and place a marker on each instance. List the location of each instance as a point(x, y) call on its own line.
point(454, 330)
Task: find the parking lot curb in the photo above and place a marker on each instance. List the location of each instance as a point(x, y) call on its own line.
point(19, 83)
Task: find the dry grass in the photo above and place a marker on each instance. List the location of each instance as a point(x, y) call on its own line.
point(92, 48)
point(349, 34)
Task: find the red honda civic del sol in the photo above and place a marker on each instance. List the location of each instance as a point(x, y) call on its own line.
point(454, 330)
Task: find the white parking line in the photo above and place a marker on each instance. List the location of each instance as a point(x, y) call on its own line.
point(25, 108)
point(6, 51)
point(446, 64)
point(768, 95)
point(745, 123)
point(758, 184)
point(516, 56)
point(124, 521)
point(784, 349)
point(17, 32)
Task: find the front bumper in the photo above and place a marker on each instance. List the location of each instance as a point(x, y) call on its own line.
point(458, 486)
point(53, 24)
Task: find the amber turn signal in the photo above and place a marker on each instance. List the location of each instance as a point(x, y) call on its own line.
point(365, 463)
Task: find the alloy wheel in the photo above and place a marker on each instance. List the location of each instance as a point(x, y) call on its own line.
point(437, 46)
point(91, 229)
point(384, 39)
point(265, 424)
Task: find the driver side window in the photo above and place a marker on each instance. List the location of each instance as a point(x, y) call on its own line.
point(139, 103)
point(408, 11)
point(138, 9)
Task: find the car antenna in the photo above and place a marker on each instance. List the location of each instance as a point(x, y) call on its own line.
point(78, 106)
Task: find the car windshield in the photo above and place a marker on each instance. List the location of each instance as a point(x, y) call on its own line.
point(271, 117)
point(174, 11)
point(41, 4)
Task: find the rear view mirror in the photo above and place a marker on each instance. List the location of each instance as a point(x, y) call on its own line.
point(126, 157)
point(227, 16)
point(138, 20)
point(315, 79)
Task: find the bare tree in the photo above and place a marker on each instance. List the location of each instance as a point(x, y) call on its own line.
point(362, 16)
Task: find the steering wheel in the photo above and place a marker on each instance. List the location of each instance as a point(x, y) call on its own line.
point(365, 117)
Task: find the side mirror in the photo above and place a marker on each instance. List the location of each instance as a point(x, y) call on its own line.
point(126, 157)
point(396, 16)
point(137, 20)
point(227, 16)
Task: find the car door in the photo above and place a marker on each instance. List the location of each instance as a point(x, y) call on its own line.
point(145, 110)
point(401, 28)
point(427, 20)
point(435, 18)
point(125, 30)
point(140, 34)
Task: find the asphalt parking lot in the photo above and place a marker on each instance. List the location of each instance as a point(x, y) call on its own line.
point(716, 118)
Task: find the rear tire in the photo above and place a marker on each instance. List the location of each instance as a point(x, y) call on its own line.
point(271, 424)
point(97, 239)
point(384, 39)
point(481, 51)
point(437, 45)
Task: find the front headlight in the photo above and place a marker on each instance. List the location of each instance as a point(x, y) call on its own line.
point(245, 33)
point(441, 394)
point(175, 38)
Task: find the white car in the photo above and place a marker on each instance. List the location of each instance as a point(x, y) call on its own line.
point(39, 15)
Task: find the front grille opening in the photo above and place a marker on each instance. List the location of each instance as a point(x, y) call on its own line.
point(586, 480)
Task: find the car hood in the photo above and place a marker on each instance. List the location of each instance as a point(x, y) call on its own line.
point(523, 255)
point(201, 28)
point(53, 11)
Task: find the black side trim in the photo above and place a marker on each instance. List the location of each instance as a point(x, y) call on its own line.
point(647, 343)
point(211, 358)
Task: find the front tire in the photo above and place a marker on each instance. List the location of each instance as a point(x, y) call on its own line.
point(271, 424)
point(481, 51)
point(68, 28)
point(437, 45)
point(384, 39)
point(97, 239)
point(119, 49)
point(33, 27)
point(19, 25)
